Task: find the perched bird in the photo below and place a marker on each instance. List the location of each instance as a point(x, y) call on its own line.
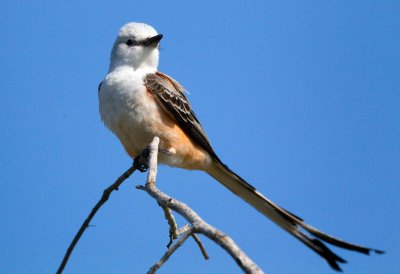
point(137, 103)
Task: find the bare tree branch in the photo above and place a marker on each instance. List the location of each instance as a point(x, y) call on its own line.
point(201, 246)
point(103, 199)
point(174, 232)
point(199, 225)
point(173, 227)
point(169, 252)
point(183, 229)
point(152, 161)
point(167, 203)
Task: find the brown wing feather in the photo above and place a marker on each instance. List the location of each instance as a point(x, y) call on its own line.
point(169, 93)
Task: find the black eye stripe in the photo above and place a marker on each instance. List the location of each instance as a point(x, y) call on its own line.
point(133, 42)
point(130, 42)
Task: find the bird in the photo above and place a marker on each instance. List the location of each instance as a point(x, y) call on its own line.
point(137, 102)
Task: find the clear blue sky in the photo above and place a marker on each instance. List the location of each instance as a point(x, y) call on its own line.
point(301, 99)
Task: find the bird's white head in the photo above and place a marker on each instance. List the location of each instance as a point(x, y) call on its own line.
point(136, 46)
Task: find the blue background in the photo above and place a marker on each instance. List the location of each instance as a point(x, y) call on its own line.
point(300, 98)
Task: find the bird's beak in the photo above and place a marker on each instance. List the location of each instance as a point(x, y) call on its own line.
point(152, 41)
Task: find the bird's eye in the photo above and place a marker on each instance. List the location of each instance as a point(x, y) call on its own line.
point(130, 42)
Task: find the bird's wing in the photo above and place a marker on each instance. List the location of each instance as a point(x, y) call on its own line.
point(170, 96)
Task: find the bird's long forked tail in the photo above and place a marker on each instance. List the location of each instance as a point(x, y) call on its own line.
point(286, 220)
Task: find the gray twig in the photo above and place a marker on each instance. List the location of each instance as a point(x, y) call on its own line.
point(169, 252)
point(198, 224)
point(201, 246)
point(86, 223)
point(167, 203)
point(173, 227)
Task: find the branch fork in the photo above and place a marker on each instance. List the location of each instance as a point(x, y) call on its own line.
point(148, 159)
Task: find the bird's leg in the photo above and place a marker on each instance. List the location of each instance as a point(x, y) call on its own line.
point(141, 162)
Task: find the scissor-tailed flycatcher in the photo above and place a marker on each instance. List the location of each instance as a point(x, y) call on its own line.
point(137, 102)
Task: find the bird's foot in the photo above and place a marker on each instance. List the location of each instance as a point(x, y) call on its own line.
point(141, 162)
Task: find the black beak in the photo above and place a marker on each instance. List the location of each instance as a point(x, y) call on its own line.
point(152, 41)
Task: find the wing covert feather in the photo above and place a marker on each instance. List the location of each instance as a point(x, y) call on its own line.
point(170, 95)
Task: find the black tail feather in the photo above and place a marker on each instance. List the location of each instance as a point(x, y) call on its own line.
point(321, 249)
point(285, 219)
point(316, 244)
point(337, 242)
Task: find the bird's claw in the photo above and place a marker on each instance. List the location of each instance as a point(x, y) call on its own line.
point(141, 162)
point(143, 167)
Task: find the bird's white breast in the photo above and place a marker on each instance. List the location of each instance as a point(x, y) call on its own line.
point(127, 109)
point(131, 112)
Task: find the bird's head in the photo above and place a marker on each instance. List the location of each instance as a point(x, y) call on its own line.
point(136, 46)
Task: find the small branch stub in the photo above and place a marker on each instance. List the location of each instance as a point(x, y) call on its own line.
point(201, 246)
point(169, 252)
